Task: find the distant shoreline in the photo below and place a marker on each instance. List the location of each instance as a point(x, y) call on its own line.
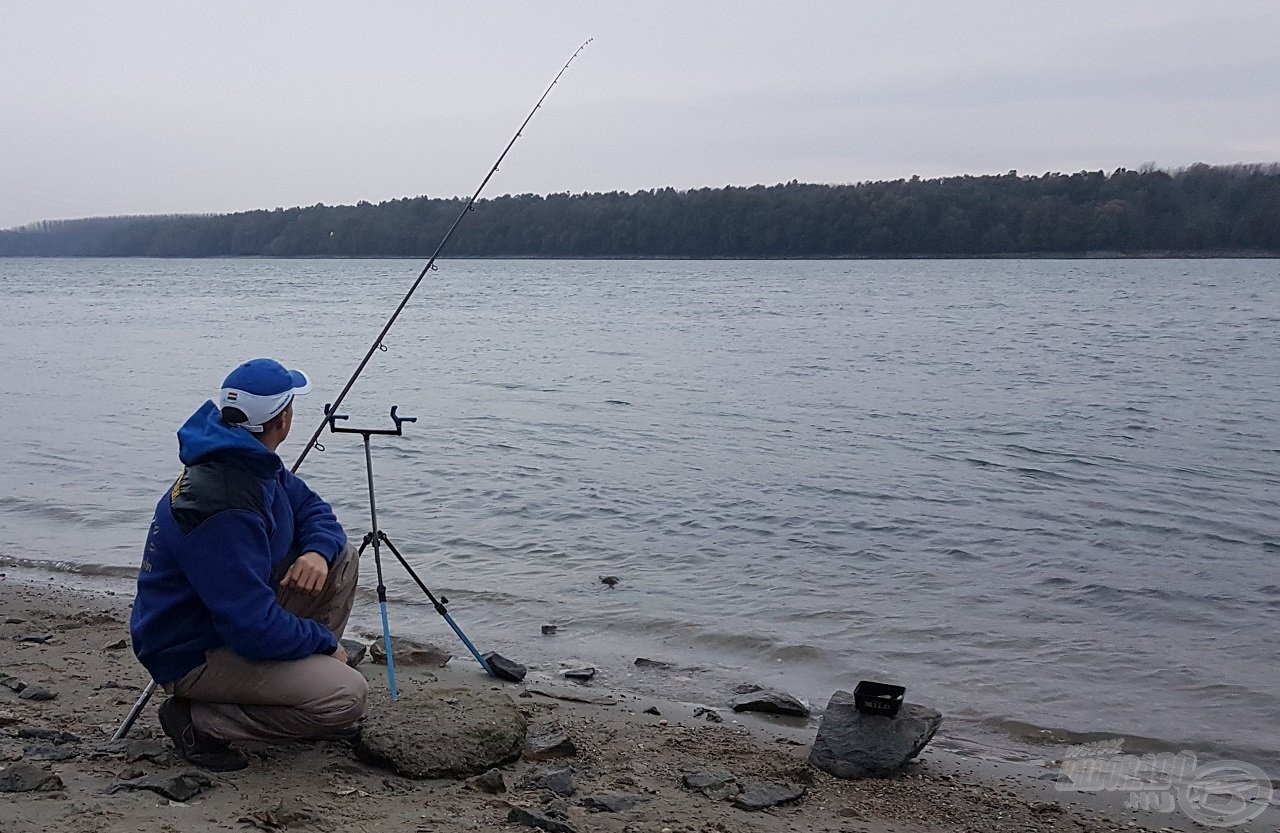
point(1211, 211)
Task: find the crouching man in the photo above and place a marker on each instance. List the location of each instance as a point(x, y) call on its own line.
point(246, 584)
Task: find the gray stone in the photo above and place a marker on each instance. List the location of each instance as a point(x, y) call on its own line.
point(550, 744)
point(710, 715)
point(645, 662)
point(356, 651)
point(851, 744)
point(37, 693)
point(747, 688)
point(760, 796)
point(34, 638)
point(654, 711)
point(491, 781)
point(288, 814)
point(146, 750)
point(609, 803)
point(28, 778)
point(117, 645)
point(410, 652)
point(48, 752)
point(13, 684)
point(182, 787)
point(52, 735)
point(530, 819)
point(442, 734)
point(549, 630)
point(557, 808)
point(583, 674)
point(609, 581)
point(713, 784)
point(768, 701)
point(577, 695)
point(558, 781)
point(505, 669)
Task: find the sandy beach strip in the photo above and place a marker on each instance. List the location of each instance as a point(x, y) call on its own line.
point(74, 645)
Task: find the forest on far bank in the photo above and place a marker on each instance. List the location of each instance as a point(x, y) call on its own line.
point(1202, 209)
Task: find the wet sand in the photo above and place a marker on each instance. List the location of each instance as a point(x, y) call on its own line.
point(323, 786)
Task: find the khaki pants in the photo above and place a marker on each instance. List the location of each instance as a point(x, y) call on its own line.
point(314, 697)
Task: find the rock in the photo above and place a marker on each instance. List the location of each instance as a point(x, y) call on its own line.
point(424, 735)
point(583, 674)
point(28, 778)
point(117, 645)
point(182, 787)
point(37, 693)
point(34, 638)
point(645, 662)
point(547, 745)
point(356, 651)
point(287, 813)
point(575, 696)
point(146, 750)
point(48, 752)
point(491, 781)
point(557, 808)
point(410, 652)
point(770, 702)
point(52, 735)
point(609, 581)
point(505, 669)
point(747, 688)
point(13, 683)
point(654, 710)
point(713, 784)
point(851, 744)
point(759, 796)
point(12, 620)
point(558, 781)
point(710, 715)
point(610, 803)
point(549, 630)
point(522, 816)
point(8, 718)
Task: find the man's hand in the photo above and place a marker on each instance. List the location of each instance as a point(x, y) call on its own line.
point(340, 654)
point(307, 574)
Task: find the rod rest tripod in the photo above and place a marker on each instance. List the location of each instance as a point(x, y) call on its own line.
point(377, 537)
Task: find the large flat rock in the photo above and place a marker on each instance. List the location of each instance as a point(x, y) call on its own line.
point(442, 733)
point(851, 744)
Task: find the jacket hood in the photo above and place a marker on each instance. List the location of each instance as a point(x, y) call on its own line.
point(205, 435)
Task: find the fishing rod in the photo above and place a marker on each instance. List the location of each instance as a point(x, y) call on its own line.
point(431, 264)
point(132, 716)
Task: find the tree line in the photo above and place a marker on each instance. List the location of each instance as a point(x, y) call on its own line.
point(1197, 210)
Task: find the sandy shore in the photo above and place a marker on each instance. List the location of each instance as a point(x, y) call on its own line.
point(323, 786)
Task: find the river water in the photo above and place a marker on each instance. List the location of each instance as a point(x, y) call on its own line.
point(1043, 495)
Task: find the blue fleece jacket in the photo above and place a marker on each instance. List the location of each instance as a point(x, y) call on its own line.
point(229, 524)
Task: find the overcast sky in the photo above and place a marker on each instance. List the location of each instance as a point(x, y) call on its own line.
point(173, 106)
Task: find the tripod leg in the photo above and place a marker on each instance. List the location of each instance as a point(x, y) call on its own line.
point(386, 641)
point(132, 716)
point(439, 606)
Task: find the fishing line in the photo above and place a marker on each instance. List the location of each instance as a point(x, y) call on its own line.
point(431, 264)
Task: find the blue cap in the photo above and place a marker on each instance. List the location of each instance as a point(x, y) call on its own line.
point(261, 389)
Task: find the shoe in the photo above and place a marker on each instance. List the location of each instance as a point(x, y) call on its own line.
point(201, 750)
